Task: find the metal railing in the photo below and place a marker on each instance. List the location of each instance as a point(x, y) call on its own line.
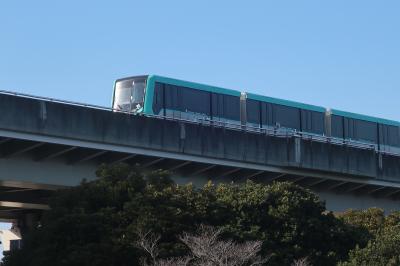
point(47, 99)
point(269, 131)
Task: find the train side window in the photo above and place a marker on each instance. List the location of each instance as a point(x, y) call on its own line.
point(225, 106)
point(231, 107)
point(390, 135)
point(266, 115)
point(171, 97)
point(365, 130)
point(312, 122)
point(287, 116)
point(394, 138)
point(196, 101)
point(158, 98)
point(337, 126)
point(253, 111)
point(318, 123)
point(217, 105)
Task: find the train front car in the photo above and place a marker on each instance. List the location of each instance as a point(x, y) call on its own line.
point(129, 94)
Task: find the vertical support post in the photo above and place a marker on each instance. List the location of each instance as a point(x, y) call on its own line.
point(243, 113)
point(328, 123)
point(43, 113)
point(297, 150)
point(182, 136)
point(380, 161)
point(28, 222)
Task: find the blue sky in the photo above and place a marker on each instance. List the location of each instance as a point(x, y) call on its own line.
point(3, 226)
point(339, 54)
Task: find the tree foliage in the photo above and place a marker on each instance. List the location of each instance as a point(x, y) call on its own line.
point(98, 223)
point(372, 219)
point(383, 247)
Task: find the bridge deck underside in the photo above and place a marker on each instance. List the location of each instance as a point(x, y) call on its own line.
point(18, 197)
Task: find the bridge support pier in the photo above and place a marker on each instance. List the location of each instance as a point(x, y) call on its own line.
point(28, 222)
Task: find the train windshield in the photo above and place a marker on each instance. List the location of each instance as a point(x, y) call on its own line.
point(129, 95)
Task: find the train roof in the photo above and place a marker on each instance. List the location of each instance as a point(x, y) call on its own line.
point(177, 82)
point(365, 117)
point(132, 77)
point(286, 102)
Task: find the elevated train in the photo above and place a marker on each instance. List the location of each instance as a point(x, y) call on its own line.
point(156, 95)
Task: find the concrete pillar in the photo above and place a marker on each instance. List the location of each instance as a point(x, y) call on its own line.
point(27, 222)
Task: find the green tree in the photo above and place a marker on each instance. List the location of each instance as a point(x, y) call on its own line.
point(371, 219)
point(97, 223)
point(86, 224)
point(383, 247)
point(291, 221)
point(381, 251)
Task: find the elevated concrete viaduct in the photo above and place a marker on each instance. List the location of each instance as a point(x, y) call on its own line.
point(47, 144)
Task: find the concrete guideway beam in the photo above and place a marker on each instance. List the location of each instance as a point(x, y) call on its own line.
point(356, 187)
point(257, 173)
point(179, 165)
point(152, 162)
point(197, 159)
point(298, 179)
point(202, 170)
point(228, 172)
point(391, 194)
point(123, 158)
point(339, 184)
point(315, 183)
point(14, 148)
point(85, 155)
point(277, 177)
point(52, 152)
point(24, 205)
point(4, 140)
point(373, 191)
point(30, 185)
